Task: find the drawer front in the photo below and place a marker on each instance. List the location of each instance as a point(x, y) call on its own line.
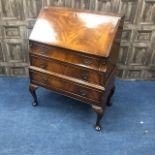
point(65, 55)
point(57, 84)
point(59, 67)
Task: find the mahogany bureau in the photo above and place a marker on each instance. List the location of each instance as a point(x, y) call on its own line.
point(74, 53)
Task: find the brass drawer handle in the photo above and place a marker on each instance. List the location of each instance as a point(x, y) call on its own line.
point(85, 76)
point(83, 92)
point(43, 51)
point(104, 62)
point(45, 80)
point(87, 61)
point(43, 65)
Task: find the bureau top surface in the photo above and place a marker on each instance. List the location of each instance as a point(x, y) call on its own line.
point(84, 31)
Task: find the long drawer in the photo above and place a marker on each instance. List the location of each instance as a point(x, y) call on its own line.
point(69, 56)
point(62, 85)
point(60, 67)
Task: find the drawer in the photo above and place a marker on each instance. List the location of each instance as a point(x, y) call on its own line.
point(65, 55)
point(70, 70)
point(62, 85)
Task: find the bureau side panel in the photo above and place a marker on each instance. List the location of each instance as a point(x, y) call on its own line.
point(113, 58)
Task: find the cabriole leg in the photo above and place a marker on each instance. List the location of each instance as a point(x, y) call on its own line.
point(109, 103)
point(32, 89)
point(99, 112)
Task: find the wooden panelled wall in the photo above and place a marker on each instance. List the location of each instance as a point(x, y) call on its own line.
point(137, 53)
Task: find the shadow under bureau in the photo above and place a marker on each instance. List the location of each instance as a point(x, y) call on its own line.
point(74, 53)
